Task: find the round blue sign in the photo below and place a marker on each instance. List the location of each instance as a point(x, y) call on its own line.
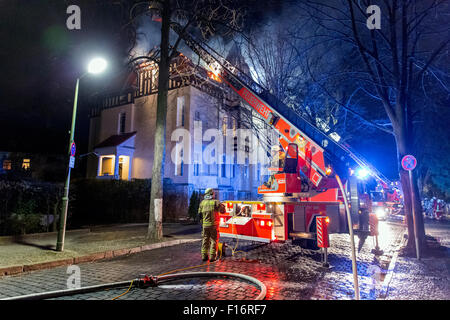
point(409, 162)
point(73, 148)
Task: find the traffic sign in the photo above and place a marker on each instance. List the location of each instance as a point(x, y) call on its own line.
point(73, 149)
point(409, 162)
point(72, 162)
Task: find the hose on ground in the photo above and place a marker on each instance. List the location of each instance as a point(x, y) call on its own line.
point(69, 292)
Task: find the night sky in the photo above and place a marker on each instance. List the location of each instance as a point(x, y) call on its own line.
point(40, 61)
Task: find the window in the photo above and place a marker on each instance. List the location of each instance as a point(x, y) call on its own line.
point(179, 166)
point(233, 170)
point(122, 119)
point(7, 165)
point(124, 167)
point(107, 165)
point(246, 168)
point(26, 164)
point(180, 111)
point(224, 167)
point(224, 125)
point(258, 171)
point(196, 169)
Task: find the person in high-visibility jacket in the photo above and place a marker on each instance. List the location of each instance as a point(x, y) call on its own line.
point(209, 212)
point(278, 160)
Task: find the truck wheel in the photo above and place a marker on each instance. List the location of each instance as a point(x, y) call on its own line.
point(306, 244)
point(299, 242)
point(311, 244)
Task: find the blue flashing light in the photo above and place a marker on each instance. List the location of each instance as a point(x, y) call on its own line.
point(362, 173)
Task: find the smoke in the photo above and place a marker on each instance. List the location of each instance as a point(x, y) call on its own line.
point(148, 36)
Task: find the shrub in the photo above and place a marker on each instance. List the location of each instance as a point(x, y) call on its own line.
point(109, 201)
point(194, 204)
point(23, 205)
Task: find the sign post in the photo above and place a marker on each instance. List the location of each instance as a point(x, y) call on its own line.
point(72, 155)
point(373, 228)
point(409, 162)
point(352, 238)
point(65, 198)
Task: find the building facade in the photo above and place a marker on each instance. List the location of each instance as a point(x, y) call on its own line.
point(122, 129)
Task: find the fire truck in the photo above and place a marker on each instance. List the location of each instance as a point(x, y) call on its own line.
point(304, 187)
point(386, 199)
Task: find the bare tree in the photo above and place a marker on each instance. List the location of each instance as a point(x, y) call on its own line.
point(392, 63)
point(208, 18)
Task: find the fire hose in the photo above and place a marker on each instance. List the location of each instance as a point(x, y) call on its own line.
point(141, 282)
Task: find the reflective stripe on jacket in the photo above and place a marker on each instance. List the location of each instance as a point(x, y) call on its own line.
point(209, 210)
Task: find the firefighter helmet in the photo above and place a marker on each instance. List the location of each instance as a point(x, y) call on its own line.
point(209, 191)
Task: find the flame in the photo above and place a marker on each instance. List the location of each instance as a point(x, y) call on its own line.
point(213, 76)
point(215, 71)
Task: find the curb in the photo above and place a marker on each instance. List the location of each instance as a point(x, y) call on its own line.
point(14, 270)
point(390, 273)
point(9, 239)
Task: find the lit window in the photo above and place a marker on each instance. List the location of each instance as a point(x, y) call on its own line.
point(107, 166)
point(26, 164)
point(7, 165)
point(224, 125)
point(124, 167)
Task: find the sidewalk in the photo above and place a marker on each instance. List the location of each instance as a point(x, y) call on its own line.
point(429, 278)
point(34, 252)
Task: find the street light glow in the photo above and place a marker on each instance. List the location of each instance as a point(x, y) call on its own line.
point(97, 65)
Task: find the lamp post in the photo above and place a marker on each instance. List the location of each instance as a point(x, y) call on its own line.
point(96, 66)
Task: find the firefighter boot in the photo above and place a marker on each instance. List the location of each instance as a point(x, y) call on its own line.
point(214, 243)
point(205, 245)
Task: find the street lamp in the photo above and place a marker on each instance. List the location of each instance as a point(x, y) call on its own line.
point(95, 66)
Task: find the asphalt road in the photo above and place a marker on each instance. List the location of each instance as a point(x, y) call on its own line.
point(288, 271)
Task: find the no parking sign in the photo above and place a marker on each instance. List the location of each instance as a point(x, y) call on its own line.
point(73, 149)
point(409, 162)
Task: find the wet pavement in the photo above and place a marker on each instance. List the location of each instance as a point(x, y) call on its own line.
point(428, 278)
point(39, 248)
point(288, 271)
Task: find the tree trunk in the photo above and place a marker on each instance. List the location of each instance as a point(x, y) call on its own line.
point(402, 150)
point(156, 193)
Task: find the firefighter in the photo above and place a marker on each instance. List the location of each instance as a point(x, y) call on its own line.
point(278, 157)
point(209, 212)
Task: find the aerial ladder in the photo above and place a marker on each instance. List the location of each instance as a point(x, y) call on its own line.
point(305, 188)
